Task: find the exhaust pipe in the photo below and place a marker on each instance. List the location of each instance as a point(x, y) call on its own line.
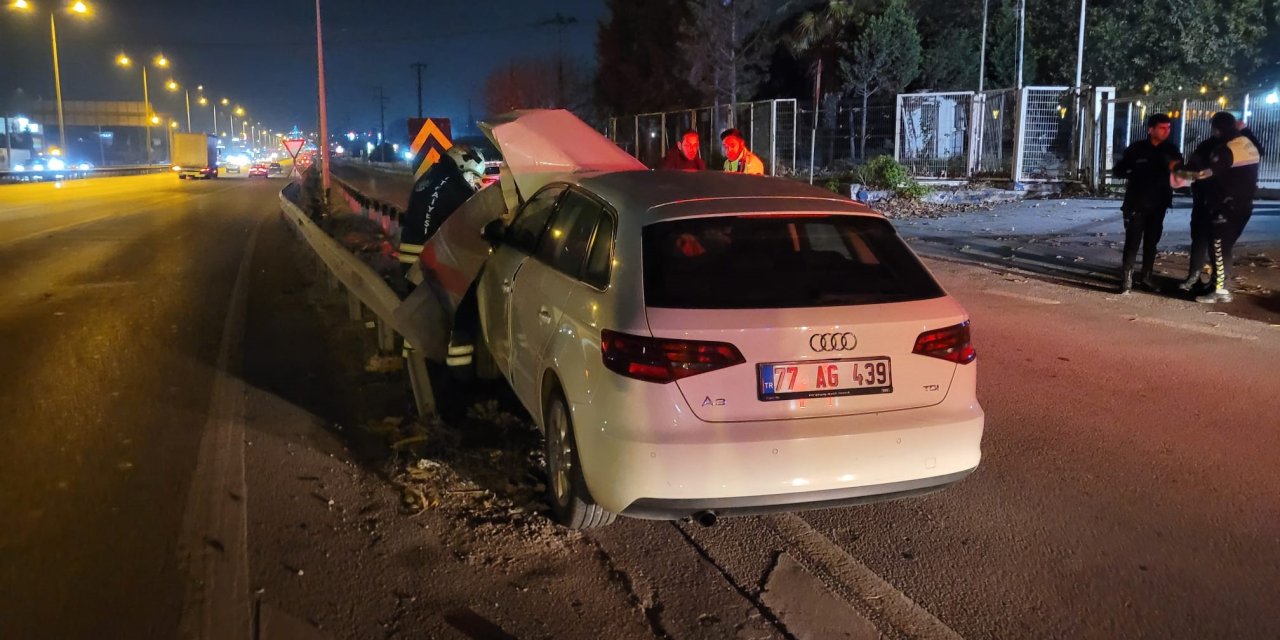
point(706, 518)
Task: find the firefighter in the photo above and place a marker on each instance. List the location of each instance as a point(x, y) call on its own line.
point(1232, 172)
point(449, 182)
point(1146, 165)
point(738, 158)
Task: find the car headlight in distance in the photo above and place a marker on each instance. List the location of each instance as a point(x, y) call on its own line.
point(56, 164)
point(19, 168)
point(84, 166)
point(177, 168)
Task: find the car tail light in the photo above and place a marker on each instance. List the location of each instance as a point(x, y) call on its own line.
point(951, 343)
point(664, 360)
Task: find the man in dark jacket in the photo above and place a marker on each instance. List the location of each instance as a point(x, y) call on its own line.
point(1232, 172)
point(684, 156)
point(1147, 197)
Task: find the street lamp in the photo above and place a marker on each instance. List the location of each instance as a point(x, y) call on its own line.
point(77, 8)
point(173, 86)
point(149, 118)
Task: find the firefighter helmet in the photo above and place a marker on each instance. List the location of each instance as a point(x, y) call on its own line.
point(469, 161)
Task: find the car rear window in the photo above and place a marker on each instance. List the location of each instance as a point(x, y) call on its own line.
point(780, 261)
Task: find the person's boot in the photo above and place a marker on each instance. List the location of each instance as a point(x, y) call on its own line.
point(1191, 283)
point(1214, 297)
point(1146, 281)
point(1126, 280)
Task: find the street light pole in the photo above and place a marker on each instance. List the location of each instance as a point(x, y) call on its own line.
point(188, 92)
point(146, 108)
point(57, 84)
point(324, 114)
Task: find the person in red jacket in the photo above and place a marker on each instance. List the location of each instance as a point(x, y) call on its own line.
point(684, 156)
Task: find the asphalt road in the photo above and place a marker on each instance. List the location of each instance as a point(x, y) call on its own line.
point(111, 312)
point(1127, 487)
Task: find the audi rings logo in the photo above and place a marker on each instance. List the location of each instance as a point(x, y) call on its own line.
point(833, 342)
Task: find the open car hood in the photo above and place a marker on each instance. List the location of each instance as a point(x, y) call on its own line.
point(539, 145)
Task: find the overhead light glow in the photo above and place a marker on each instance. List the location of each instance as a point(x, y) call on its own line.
point(1273, 98)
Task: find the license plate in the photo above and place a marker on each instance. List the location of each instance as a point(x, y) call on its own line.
point(824, 379)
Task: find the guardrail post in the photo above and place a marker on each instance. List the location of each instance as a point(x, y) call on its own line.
point(386, 337)
point(420, 380)
point(354, 309)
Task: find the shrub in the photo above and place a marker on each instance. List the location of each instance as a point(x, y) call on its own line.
point(886, 173)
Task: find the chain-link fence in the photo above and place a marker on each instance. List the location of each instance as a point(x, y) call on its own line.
point(782, 132)
point(997, 111)
point(935, 133)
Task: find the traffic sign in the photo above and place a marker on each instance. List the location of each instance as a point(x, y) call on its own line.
point(293, 146)
point(431, 138)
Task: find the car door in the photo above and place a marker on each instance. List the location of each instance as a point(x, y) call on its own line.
point(544, 286)
point(503, 269)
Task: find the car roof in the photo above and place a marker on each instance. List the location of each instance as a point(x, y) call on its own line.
point(666, 195)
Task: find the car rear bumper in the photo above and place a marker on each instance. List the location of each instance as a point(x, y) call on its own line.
point(824, 461)
point(675, 509)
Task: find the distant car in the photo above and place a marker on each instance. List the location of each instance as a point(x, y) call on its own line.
point(492, 169)
point(231, 167)
point(258, 170)
point(275, 167)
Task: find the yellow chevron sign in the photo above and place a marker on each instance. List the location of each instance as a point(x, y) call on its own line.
point(431, 138)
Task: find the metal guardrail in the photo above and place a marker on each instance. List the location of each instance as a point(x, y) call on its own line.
point(47, 175)
point(365, 288)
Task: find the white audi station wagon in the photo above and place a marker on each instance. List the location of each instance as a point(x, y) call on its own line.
point(705, 344)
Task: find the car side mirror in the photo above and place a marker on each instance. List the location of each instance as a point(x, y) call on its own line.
point(493, 232)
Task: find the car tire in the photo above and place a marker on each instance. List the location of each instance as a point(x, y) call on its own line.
point(571, 503)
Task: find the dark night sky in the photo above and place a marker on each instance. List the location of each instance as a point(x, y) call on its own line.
point(261, 53)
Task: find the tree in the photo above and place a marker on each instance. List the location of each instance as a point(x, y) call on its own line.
point(885, 58)
point(640, 68)
point(534, 84)
point(819, 36)
point(1172, 44)
point(725, 43)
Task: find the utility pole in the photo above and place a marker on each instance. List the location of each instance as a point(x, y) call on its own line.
point(382, 116)
point(419, 66)
point(1022, 40)
point(559, 22)
point(982, 52)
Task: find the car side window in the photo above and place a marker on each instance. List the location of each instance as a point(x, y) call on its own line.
point(526, 230)
point(565, 245)
point(601, 258)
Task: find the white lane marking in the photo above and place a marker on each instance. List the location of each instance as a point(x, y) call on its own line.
point(1197, 328)
point(213, 547)
point(1021, 296)
point(852, 580)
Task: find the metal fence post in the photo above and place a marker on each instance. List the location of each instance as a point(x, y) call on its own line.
point(1182, 131)
point(1020, 129)
point(663, 123)
point(773, 137)
point(897, 129)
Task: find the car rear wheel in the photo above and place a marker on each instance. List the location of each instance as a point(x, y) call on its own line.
point(570, 501)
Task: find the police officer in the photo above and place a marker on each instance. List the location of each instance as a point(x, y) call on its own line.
point(1232, 172)
point(449, 182)
point(1147, 197)
point(1201, 217)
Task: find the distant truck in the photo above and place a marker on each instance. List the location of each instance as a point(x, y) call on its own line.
point(195, 155)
